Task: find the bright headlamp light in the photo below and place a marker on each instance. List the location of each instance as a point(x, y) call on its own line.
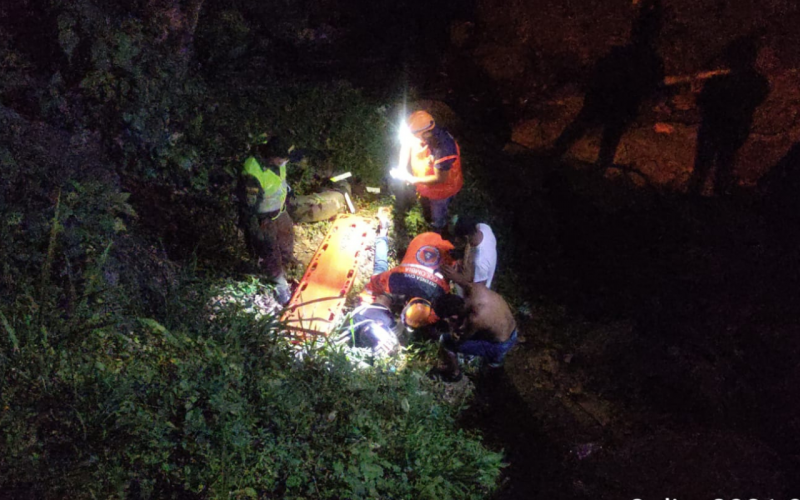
point(405, 136)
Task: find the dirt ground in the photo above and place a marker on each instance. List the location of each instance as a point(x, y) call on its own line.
point(659, 328)
point(528, 65)
point(657, 340)
point(658, 344)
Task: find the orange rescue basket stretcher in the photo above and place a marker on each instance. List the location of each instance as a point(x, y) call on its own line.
point(316, 306)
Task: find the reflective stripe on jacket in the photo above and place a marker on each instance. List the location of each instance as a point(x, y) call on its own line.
point(417, 275)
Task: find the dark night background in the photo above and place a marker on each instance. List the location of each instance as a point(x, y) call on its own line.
point(657, 293)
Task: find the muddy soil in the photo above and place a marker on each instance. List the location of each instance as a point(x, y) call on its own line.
point(531, 63)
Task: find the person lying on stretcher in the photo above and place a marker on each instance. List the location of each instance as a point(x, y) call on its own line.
point(415, 282)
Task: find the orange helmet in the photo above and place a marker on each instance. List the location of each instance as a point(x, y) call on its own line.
point(420, 121)
point(417, 313)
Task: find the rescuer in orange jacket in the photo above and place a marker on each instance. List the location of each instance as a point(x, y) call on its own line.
point(416, 281)
point(418, 274)
point(434, 159)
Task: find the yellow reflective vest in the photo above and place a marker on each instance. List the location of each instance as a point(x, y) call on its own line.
point(274, 186)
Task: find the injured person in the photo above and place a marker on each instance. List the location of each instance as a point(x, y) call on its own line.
point(415, 283)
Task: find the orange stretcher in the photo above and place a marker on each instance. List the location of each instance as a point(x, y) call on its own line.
point(316, 306)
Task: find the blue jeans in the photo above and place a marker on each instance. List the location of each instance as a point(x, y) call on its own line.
point(381, 255)
point(438, 212)
point(493, 352)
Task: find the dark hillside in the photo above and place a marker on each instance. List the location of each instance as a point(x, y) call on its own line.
point(646, 215)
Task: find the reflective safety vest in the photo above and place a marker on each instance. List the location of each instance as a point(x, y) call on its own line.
point(423, 164)
point(274, 186)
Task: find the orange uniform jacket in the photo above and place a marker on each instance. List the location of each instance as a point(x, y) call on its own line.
point(424, 162)
point(417, 276)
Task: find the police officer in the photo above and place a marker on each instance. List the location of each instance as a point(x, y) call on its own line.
point(266, 223)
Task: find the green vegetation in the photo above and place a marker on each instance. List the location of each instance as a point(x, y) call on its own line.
point(414, 220)
point(222, 407)
point(120, 374)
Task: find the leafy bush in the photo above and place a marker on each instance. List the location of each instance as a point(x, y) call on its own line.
point(344, 130)
point(115, 378)
point(225, 39)
point(169, 125)
point(224, 408)
point(415, 221)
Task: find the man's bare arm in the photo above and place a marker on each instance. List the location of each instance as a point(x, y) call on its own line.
point(452, 273)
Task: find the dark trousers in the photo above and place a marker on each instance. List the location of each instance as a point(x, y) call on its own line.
point(718, 152)
point(271, 242)
point(613, 128)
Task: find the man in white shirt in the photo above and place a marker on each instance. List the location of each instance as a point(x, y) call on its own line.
point(480, 257)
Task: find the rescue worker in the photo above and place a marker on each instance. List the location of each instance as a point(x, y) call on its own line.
point(480, 324)
point(415, 283)
point(266, 224)
point(435, 161)
point(418, 275)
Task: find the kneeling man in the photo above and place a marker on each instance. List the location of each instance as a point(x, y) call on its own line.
point(480, 324)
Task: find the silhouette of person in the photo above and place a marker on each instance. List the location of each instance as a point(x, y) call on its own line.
point(620, 81)
point(727, 104)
